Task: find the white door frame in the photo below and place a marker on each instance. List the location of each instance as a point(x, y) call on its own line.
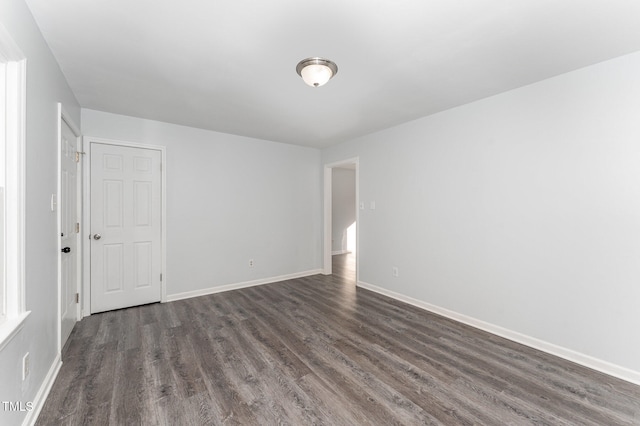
point(64, 116)
point(327, 269)
point(86, 220)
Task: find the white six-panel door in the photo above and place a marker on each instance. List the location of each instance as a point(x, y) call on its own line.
point(68, 238)
point(125, 226)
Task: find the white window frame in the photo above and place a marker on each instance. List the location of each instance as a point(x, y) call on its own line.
point(12, 142)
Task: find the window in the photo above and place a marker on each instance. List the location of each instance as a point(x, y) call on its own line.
point(12, 141)
point(3, 96)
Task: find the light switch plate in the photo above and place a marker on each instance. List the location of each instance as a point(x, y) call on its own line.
point(54, 202)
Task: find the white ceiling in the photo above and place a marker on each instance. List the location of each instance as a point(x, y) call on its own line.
point(229, 65)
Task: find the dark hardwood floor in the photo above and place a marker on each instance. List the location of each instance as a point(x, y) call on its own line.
point(316, 350)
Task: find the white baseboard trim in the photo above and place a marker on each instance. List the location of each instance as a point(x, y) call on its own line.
point(333, 253)
point(236, 286)
point(606, 367)
point(43, 392)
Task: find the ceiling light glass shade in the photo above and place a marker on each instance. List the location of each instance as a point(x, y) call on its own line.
point(316, 71)
point(316, 75)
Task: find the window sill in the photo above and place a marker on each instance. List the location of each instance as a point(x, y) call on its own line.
point(10, 328)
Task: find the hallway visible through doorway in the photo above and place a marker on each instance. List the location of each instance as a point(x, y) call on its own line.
point(344, 266)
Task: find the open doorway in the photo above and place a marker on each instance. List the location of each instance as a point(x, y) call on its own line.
point(341, 220)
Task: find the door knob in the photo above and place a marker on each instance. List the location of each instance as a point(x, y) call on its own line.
point(97, 236)
point(66, 249)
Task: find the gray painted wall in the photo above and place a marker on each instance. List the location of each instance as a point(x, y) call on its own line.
point(46, 86)
point(521, 210)
point(229, 199)
point(343, 206)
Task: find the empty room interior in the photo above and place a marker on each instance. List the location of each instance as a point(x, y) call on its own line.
point(388, 212)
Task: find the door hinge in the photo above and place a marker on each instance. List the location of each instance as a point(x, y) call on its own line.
point(77, 298)
point(77, 227)
point(78, 154)
point(160, 277)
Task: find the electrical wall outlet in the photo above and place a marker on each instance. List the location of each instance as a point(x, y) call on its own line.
point(250, 263)
point(395, 271)
point(26, 368)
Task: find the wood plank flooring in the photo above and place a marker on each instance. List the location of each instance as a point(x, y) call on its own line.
point(316, 350)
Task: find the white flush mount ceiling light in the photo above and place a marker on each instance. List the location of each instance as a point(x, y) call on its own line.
point(316, 71)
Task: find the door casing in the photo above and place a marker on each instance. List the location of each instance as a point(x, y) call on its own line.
point(86, 220)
